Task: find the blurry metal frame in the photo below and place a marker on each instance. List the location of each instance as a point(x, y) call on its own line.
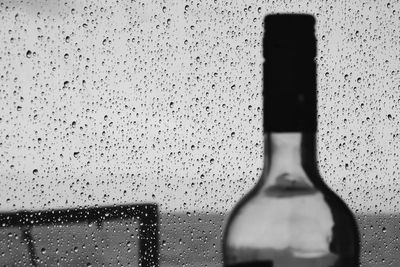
point(146, 214)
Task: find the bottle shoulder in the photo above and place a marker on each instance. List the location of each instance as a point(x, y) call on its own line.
point(298, 197)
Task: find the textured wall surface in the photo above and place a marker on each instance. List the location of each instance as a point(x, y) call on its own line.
point(129, 101)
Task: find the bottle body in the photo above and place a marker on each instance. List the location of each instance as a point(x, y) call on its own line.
point(291, 218)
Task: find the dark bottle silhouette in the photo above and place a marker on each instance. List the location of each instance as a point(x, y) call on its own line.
point(290, 218)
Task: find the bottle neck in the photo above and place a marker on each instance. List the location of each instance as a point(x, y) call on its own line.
point(289, 159)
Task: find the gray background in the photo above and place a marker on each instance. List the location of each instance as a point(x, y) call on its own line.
point(105, 102)
point(164, 101)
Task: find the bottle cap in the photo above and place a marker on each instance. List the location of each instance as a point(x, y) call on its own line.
point(284, 32)
point(289, 49)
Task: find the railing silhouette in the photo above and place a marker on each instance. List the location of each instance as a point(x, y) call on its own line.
point(145, 214)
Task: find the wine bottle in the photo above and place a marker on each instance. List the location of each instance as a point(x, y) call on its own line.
point(291, 218)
